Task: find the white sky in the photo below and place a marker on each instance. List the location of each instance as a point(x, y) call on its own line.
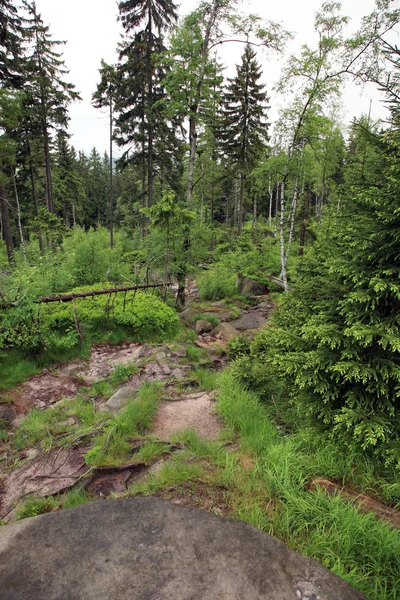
point(92, 32)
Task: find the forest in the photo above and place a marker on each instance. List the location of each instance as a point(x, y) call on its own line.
point(201, 188)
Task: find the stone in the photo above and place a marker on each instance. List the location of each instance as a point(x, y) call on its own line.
point(188, 315)
point(120, 399)
point(225, 331)
point(219, 304)
point(46, 474)
point(251, 320)
point(147, 548)
point(250, 287)
point(203, 327)
point(7, 413)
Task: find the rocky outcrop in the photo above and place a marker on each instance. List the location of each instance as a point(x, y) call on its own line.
point(147, 548)
point(203, 327)
point(250, 287)
point(121, 398)
point(224, 331)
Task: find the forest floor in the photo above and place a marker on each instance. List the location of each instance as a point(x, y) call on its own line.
point(165, 420)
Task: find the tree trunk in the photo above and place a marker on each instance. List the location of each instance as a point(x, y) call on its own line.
point(21, 233)
point(192, 158)
point(5, 218)
point(254, 216)
point(282, 239)
point(34, 196)
point(270, 203)
point(293, 216)
point(150, 137)
point(276, 209)
point(111, 175)
point(240, 205)
point(303, 236)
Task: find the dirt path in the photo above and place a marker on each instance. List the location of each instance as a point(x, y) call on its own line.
point(183, 407)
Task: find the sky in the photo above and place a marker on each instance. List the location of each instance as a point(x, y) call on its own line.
point(91, 32)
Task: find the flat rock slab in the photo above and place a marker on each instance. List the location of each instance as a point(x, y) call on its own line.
point(251, 320)
point(49, 473)
point(192, 411)
point(44, 390)
point(148, 549)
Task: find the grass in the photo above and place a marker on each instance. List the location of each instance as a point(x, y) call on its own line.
point(193, 354)
point(206, 379)
point(355, 546)
point(54, 426)
point(206, 317)
point(14, 369)
point(33, 506)
point(113, 446)
point(122, 372)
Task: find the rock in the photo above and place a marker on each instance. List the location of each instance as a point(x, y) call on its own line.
point(120, 399)
point(188, 315)
point(225, 330)
point(251, 320)
point(250, 287)
point(7, 413)
point(218, 304)
point(203, 327)
point(266, 305)
point(46, 474)
point(139, 548)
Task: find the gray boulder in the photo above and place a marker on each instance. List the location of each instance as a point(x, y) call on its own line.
point(7, 413)
point(250, 287)
point(120, 399)
point(203, 327)
point(188, 315)
point(140, 548)
point(225, 331)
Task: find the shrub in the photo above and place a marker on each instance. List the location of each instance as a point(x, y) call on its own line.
point(216, 285)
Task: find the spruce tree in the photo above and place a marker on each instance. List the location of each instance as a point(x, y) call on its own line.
point(144, 22)
point(10, 44)
point(244, 128)
point(104, 96)
point(48, 92)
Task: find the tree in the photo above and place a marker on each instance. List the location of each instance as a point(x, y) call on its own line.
point(244, 126)
point(105, 96)
point(49, 95)
point(140, 78)
point(10, 44)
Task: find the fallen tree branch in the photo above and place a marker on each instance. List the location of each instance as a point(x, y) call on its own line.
point(276, 280)
point(70, 297)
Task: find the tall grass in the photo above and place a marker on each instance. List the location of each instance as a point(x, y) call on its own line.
point(355, 546)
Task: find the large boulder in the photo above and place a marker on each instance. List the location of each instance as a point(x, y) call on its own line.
point(225, 331)
point(7, 413)
point(140, 548)
point(121, 398)
point(203, 327)
point(188, 315)
point(250, 287)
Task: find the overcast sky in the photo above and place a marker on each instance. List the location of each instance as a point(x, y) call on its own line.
point(92, 32)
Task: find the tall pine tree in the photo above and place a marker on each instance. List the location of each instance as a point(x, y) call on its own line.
point(244, 128)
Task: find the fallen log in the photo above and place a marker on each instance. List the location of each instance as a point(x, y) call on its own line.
point(71, 297)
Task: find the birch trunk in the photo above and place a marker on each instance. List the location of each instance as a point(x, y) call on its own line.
point(283, 276)
point(21, 233)
point(5, 219)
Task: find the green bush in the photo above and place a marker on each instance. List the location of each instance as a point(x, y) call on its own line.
point(32, 507)
point(216, 285)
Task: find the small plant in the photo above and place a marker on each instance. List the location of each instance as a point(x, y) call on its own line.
point(239, 346)
point(32, 507)
point(122, 372)
point(207, 379)
point(193, 353)
point(75, 497)
point(213, 319)
point(217, 285)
